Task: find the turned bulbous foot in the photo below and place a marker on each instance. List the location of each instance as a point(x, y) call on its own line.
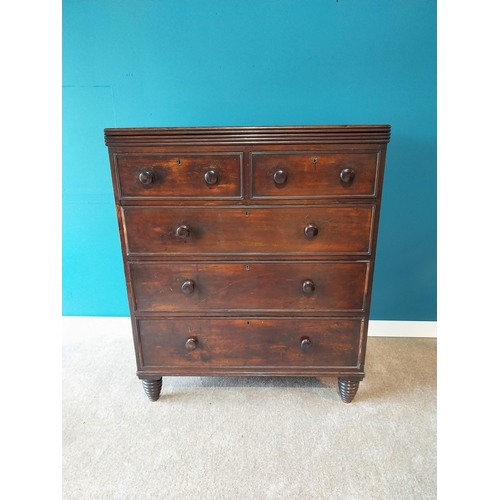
point(152, 388)
point(348, 389)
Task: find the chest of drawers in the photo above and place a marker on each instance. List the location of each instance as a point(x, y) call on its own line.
point(249, 251)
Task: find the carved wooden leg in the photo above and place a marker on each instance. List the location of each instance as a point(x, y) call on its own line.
point(152, 388)
point(348, 389)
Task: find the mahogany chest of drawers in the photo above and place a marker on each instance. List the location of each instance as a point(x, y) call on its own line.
point(249, 250)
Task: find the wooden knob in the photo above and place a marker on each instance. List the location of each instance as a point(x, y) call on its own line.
point(305, 344)
point(211, 177)
point(188, 287)
point(183, 231)
point(280, 176)
point(311, 231)
point(308, 287)
point(347, 175)
point(191, 343)
point(146, 177)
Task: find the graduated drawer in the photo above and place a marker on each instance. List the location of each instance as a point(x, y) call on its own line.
point(313, 175)
point(251, 231)
point(181, 176)
point(264, 287)
point(249, 342)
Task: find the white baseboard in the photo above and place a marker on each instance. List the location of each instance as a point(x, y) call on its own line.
point(95, 325)
point(379, 328)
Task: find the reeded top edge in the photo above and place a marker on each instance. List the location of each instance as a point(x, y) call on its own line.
point(259, 134)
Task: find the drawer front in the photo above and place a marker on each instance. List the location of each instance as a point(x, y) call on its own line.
point(252, 231)
point(313, 175)
point(250, 342)
point(264, 287)
point(162, 176)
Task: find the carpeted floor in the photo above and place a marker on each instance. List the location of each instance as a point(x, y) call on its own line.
point(245, 438)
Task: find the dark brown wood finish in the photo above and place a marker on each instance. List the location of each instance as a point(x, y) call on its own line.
point(181, 176)
point(224, 230)
point(348, 389)
point(249, 250)
point(249, 342)
point(152, 388)
point(244, 287)
point(313, 175)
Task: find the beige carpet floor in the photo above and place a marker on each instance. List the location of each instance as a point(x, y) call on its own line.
point(245, 438)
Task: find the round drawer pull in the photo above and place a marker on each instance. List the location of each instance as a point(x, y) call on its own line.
point(146, 177)
point(191, 343)
point(305, 344)
point(311, 231)
point(280, 176)
point(188, 287)
point(211, 177)
point(183, 231)
point(347, 175)
point(308, 287)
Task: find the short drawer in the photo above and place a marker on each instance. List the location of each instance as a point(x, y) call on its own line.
point(251, 286)
point(249, 342)
point(312, 231)
point(313, 175)
point(182, 176)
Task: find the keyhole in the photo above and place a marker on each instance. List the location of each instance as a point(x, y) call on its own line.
point(315, 160)
point(178, 162)
point(246, 214)
point(247, 268)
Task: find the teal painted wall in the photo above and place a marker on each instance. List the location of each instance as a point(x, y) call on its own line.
point(262, 62)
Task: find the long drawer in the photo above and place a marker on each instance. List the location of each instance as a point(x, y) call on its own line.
point(249, 342)
point(265, 287)
point(300, 230)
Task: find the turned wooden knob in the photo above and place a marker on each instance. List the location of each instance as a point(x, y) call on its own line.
point(308, 287)
point(183, 231)
point(311, 231)
point(211, 177)
point(191, 343)
point(188, 287)
point(347, 175)
point(146, 177)
point(280, 176)
point(305, 344)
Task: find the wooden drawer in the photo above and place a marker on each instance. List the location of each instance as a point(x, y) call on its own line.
point(182, 176)
point(249, 342)
point(251, 231)
point(264, 287)
point(313, 175)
